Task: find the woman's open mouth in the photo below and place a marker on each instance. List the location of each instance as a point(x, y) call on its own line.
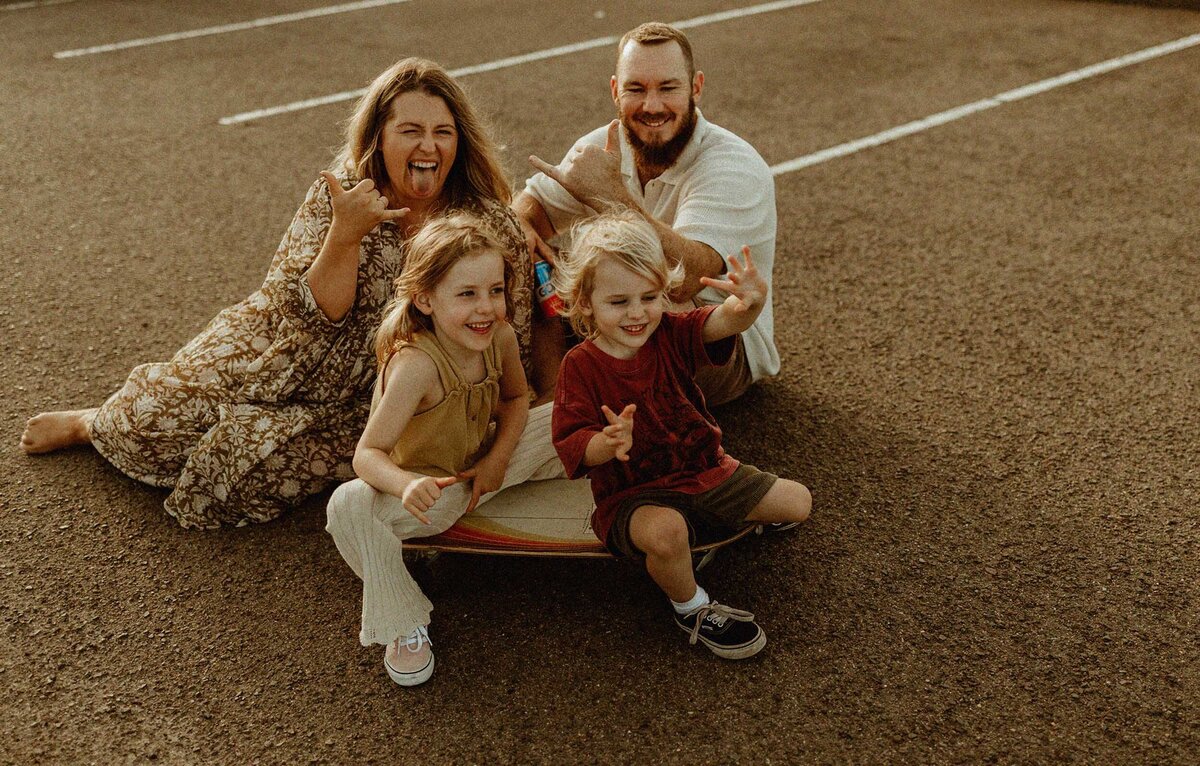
point(424, 176)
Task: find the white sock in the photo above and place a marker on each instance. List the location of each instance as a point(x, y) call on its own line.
point(692, 604)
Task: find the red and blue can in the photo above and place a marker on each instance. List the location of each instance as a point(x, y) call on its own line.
point(548, 299)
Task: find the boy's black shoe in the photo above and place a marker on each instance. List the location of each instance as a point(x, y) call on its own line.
point(728, 632)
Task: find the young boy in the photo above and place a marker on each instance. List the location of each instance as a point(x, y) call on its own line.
point(627, 412)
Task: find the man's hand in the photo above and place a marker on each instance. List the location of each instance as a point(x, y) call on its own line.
point(539, 250)
point(357, 211)
point(746, 287)
point(592, 175)
point(618, 434)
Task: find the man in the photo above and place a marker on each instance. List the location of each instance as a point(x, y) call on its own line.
point(706, 192)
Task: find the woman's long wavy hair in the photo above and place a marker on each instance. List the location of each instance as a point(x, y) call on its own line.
point(476, 174)
point(429, 256)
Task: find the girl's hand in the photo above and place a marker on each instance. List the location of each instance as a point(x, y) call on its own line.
point(485, 476)
point(358, 211)
point(746, 287)
point(420, 495)
point(618, 434)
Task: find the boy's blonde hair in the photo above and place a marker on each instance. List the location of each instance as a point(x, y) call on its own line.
point(621, 234)
point(428, 257)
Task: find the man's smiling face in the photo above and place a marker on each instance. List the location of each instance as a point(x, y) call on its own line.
point(656, 100)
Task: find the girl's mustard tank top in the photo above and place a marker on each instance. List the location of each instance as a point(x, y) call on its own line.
point(453, 434)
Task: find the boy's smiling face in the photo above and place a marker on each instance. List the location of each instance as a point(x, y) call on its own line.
point(625, 307)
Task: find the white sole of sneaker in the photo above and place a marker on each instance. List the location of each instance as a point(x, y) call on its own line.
point(413, 678)
point(738, 652)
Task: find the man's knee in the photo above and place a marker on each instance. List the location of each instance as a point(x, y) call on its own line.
point(659, 531)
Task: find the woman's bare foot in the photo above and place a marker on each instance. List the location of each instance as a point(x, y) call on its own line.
point(50, 431)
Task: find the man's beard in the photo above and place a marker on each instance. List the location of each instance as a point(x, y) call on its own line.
point(659, 157)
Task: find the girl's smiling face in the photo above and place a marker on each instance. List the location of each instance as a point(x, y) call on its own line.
point(419, 143)
point(625, 307)
point(468, 304)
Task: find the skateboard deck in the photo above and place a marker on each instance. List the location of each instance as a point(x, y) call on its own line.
point(538, 518)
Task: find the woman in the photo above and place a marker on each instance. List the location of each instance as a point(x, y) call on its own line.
point(264, 407)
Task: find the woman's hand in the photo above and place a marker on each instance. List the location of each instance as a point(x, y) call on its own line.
point(420, 495)
point(333, 276)
point(357, 211)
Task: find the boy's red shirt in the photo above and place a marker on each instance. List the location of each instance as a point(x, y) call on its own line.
point(676, 442)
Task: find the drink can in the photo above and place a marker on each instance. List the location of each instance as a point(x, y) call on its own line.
point(548, 299)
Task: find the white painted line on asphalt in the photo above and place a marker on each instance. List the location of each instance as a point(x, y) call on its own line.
point(1000, 99)
point(222, 29)
point(32, 4)
point(511, 61)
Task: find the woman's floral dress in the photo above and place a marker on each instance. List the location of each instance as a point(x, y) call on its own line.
point(264, 407)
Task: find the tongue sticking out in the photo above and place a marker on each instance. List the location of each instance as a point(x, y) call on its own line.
point(424, 180)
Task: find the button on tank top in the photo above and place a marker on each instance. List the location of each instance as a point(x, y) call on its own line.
point(452, 435)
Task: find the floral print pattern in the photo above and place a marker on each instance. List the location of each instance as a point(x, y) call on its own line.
point(265, 405)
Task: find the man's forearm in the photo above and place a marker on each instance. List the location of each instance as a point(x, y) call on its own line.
point(529, 210)
point(698, 259)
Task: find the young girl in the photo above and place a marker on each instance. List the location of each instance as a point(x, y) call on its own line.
point(445, 430)
point(628, 413)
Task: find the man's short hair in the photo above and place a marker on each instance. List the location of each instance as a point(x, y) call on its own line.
point(657, 33)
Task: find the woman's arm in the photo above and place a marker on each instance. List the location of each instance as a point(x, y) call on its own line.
point(333, 276)
point(512, 411)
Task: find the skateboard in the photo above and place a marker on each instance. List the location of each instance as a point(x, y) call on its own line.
point(540, 518)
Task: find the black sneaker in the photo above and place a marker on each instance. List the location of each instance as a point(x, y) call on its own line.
point(778, 526)
point(728, 632)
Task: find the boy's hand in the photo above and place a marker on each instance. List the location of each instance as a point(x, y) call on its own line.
point(618, 434)
point(420, 495)
point(487, 475)
point(746, 287)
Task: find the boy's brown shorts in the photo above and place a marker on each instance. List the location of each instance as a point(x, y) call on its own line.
point(710, 516)
point(729, 381)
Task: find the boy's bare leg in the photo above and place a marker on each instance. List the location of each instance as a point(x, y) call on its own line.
point(786, 502)
point(51, 431)
point(662, 534)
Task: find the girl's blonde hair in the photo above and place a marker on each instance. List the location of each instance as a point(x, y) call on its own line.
point(476, 173)
point(621, 234)
point(428, 257)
